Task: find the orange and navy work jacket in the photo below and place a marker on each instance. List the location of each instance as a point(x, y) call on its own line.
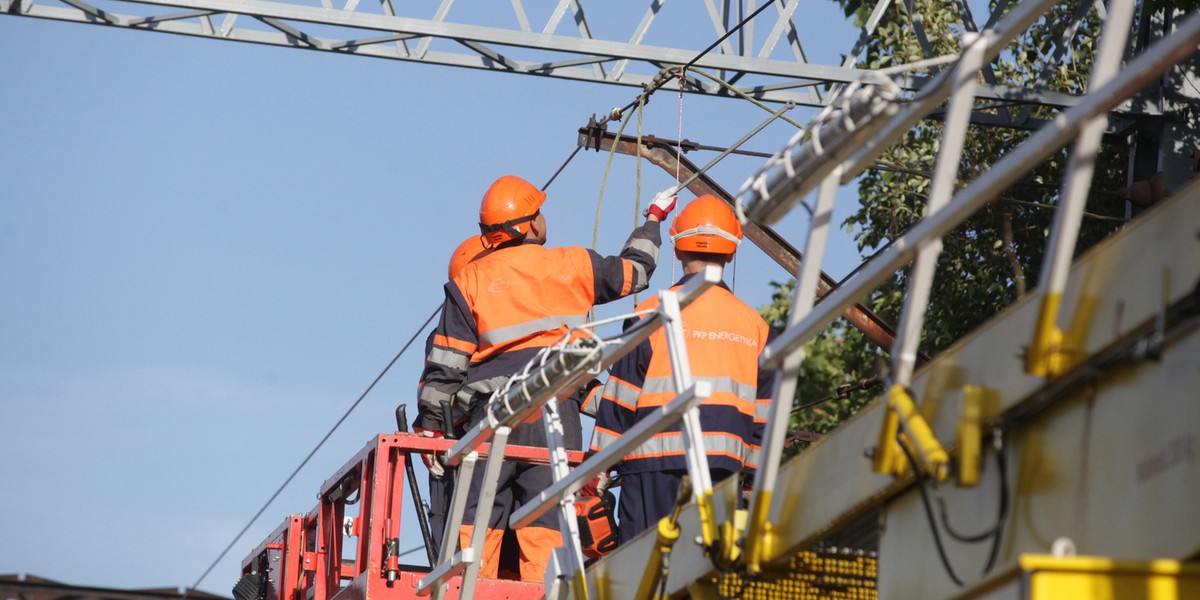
point(505, 307)
point(724, 338)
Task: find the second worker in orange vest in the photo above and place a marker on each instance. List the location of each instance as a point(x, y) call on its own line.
point(498, 313)
point(724, 338)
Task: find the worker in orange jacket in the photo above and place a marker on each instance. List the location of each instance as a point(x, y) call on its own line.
point(497, 314)
point(441, 487)
point(724, 338)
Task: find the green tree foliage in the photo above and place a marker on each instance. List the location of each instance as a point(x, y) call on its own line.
point(837, 376)
point(993, 258)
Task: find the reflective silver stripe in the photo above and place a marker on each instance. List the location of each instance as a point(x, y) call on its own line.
point(673, 444)
point(762, 410)
point(639, 278)
point(659, 385)
point(485, 386)
point(751, 457)
point(644, 245)
point(622, 392)
point(602, 439)
point(591, 402)
point(434, 395)
point(589, 408)
point(447, 358)
point(512, 332)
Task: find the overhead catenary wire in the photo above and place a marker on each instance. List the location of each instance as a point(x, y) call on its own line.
point(661, 80)
point(289, 479)
point(561, 167)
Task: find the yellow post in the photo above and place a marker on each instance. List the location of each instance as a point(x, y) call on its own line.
point(668, 534)
point(970, 435)
point(887, 459)
point(1046, 356)
point(759, 536)
point(708, 518)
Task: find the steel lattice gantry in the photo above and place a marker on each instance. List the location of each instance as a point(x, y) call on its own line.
point(564, 41)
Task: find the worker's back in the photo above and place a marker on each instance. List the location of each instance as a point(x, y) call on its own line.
point(724, 337)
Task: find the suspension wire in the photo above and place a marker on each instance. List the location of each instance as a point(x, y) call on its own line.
point(637, 196)
point(258, 514)
point(603, 183)
point(679, 134)
point(679, 144)
point(743, 95)
point(661, 81)
point(564, 165)
point(640, 101)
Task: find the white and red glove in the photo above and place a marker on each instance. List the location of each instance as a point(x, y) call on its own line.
point(663, 204)
point(596, 486)
point(431, 462)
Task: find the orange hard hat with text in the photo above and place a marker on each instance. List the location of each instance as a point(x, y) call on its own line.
point(707, 225)
point(507, 208)
point(471, 249)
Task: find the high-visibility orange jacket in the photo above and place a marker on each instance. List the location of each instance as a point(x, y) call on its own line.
point(503, 308)
point(724, 338)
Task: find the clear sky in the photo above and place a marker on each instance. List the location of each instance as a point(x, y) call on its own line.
point(208, 250)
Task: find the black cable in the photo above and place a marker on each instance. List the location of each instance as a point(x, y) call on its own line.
point(1002, 513)
point(840, 393)
point(411, 550)
point(1002, 463)
point(258, 514)
point(560, 169)
point(937, 537)
point(995, 533)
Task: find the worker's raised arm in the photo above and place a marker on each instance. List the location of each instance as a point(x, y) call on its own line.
point(630, 271)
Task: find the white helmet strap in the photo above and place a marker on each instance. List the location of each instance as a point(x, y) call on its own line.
point(707, 230)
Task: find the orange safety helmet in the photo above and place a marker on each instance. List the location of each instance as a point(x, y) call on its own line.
point(507, 208)
point(466, 252)
point(707, 225)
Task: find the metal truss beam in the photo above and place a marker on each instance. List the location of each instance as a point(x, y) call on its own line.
point(379, 30)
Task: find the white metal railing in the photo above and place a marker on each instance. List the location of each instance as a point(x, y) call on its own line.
point(555, 373)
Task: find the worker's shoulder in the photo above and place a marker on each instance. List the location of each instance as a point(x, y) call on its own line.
point(527, 252)
point(724, 302)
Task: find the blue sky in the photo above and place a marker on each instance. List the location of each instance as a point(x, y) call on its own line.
point(208, 251)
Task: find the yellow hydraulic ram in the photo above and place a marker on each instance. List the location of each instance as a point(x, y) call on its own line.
point(904, 420)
